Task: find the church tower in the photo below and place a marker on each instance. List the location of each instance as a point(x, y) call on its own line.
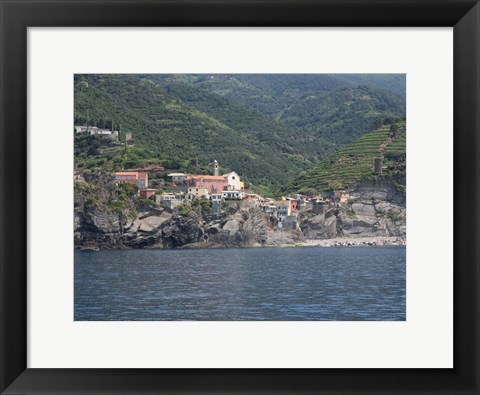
point(215, 168)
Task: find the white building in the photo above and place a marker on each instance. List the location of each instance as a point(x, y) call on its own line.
point(216, 197)
point(233, 181)
point(93, 130)
point(232, 195)
point(178, 177)
point(164, 197)
point(168, 200)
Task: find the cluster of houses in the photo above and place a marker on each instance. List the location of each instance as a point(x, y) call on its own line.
point(227, 187)
point(214, 187)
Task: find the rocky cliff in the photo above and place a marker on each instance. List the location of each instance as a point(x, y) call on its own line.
point(160, 228)
point(376, 209)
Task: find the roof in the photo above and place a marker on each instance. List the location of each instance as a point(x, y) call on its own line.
point(176, 174)
point(127, 173)
point(232, 172)
point(209, 177)
point(142, 176)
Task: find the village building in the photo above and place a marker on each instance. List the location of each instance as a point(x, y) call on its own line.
point(293, 204)
point(284, 209)
point(168, 200)
point(216, 197)
point(164, 197)
point(214, 184)
point(252, 197)
point(341, 196)
point(197, 193)
point(93, 130)
point(142, 180)
point(232, 195)
point(305, 205)
point(178, 177)
point(233, 181)
point(147, 193)
point(134, 177)
point(269, 209)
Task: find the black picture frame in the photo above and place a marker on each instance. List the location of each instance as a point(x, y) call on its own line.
point(18, 15)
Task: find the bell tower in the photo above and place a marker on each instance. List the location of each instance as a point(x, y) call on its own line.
point(215, 168)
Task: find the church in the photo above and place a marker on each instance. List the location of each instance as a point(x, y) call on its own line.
point(216, 183)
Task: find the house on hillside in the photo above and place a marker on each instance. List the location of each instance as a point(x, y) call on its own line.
point(283, 209)
point(134, 177)
point(168, 200)
point(216, 197)
point(142, 181)
point(147, 193)
point(214, 184)
point(178, 177)
point(93, 130)
point(232, 195)
point(269, 209)
point(197, 193)
point(252, 197)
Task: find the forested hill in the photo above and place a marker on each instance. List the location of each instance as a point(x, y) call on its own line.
point(268, 128)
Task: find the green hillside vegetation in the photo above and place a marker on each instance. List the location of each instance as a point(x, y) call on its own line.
point(267, 128)
point(180, 125)
point(396, 83)
point(343, 115)
point(94, 152)
point(334, 108)
point(273, 93)
point(356, 161)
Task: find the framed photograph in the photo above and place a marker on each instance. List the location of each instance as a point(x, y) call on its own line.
point(248, 197)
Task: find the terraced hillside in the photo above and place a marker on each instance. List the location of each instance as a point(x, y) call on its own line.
point(356, 161)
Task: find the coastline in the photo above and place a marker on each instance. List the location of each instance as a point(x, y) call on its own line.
point(379, 241)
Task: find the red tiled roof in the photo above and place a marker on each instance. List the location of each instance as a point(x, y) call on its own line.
point(127, 173)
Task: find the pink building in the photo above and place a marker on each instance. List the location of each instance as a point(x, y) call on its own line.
point(213, 184)
point(147, 193)
point(134, 177)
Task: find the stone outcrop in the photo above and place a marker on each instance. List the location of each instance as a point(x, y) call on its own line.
point(375, 209)
point(163, 229)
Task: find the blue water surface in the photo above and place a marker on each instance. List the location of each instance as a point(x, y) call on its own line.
point(294, 284)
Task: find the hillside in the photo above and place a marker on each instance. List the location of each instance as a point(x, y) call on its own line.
point(355, 162)
point(343, 115)
point(335, 108)
point(268, 128)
